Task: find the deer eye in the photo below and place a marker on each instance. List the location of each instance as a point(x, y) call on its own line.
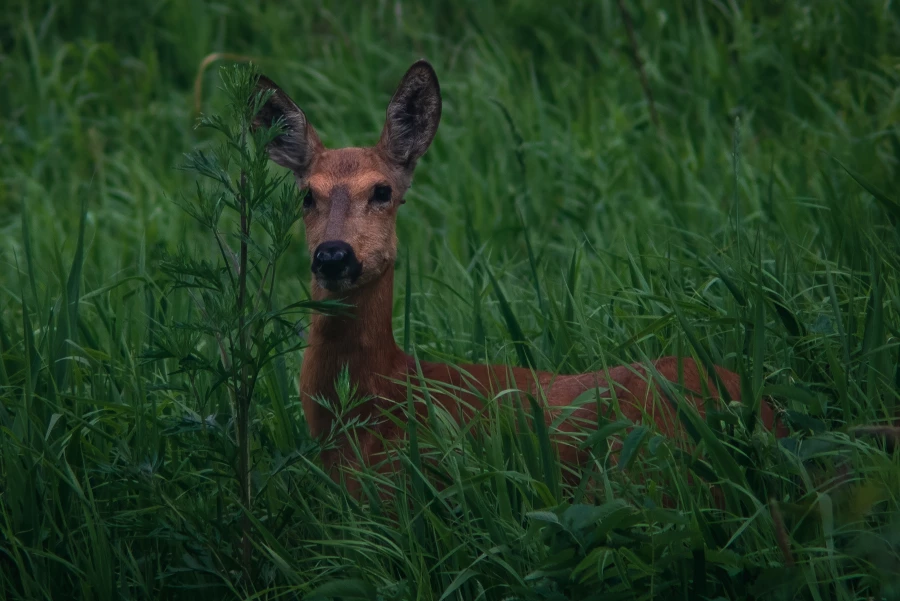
point(381, 194)
point(308, 200)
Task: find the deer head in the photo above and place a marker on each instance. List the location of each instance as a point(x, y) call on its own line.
point(353, 194)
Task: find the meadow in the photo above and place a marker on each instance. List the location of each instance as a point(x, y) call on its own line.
point(731, 196)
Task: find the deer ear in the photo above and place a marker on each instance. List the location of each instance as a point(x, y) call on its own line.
point(298, 144)
point(412, 116)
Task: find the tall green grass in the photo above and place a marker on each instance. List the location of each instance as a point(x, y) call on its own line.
point(551, 224)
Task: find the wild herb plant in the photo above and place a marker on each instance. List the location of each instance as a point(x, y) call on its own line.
point(237, 327)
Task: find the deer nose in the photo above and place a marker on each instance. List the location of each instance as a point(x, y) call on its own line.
point(333, 259)
point(332, 252)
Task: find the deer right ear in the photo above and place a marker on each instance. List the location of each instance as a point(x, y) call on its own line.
point(298, 144)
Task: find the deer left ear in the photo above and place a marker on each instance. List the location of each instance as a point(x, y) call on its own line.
point(413, 116)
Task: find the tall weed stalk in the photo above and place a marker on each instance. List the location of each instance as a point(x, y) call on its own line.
point(237, 327)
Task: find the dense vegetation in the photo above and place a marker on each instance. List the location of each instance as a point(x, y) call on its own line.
point(740, 207)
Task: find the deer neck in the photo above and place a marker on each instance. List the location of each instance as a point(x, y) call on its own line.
point(361, 338)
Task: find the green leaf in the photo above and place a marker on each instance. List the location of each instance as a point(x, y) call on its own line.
point(344, 589)
point(458, 582)
point(606, 431)
point(547, 517)
point(708, 364)
point(512, 324)
point(891, 206)
point(632, 445)
point(548, 457)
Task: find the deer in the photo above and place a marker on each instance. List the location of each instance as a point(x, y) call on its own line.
point(349, 213)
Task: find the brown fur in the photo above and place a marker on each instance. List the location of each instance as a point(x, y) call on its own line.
point(342, 183)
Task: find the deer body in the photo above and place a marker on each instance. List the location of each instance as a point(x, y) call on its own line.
point(364, 342)
point(349, 215)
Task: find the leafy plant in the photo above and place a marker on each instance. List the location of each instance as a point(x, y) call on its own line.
point(238, 328)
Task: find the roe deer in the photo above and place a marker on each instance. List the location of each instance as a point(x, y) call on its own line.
point(349, 212)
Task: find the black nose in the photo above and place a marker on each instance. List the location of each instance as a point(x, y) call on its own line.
point(334, 260)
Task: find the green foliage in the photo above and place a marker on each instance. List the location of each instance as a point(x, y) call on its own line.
point(237, 322)
point(551, 224)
